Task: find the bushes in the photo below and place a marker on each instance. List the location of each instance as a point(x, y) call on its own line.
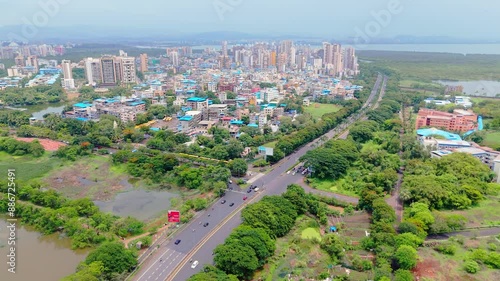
point(471, 267)
point(19, 148)
point(446, 248)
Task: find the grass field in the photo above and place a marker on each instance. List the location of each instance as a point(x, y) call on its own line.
point(412, 83)
point(271, 144)
point(318, 109)
point(28, 167)
point(484, 214)
point(331, 186)
point(311, 234)
point(492, 139)
point(440, 267)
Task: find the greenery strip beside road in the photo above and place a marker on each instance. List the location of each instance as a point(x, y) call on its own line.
point(208, 237)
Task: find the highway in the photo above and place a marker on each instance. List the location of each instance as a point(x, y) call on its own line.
point(173, 262)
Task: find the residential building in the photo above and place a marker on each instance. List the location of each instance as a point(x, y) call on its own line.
point(144, 63)
point(68, 81)
point(216, 111)
point(458, 121)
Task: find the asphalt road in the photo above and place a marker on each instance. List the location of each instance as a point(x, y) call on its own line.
point(173, 262)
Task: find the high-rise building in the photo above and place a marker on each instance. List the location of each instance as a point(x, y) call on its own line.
point(127, 66)
point(108, 71)
point(68, 81)
point(224, 48)
point(19, 60)
point(93, 71)
point(332, 58)
point(350, 61)
point(32, 61)
point(174, 58)
point(144, 62)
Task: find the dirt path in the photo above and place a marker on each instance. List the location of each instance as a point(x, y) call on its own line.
point(130, 239)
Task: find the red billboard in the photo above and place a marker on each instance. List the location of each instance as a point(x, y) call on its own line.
point(174, 216)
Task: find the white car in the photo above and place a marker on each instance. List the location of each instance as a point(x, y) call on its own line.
point(195, 263)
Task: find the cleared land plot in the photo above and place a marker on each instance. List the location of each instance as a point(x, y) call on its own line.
point(436, 266)
point(318, 109)
point(88, 177)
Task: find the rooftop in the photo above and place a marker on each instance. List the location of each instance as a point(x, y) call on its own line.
point(196, 99)
point(434, 131)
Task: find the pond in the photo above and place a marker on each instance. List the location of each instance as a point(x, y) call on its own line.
point(138, 203)
point(476, 88)
point(38, 257)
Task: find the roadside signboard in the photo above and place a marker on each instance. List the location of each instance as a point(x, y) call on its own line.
point(174, 216)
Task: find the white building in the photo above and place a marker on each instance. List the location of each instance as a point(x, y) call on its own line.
point(68, 81)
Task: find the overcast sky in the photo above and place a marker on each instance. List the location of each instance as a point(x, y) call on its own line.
point(455, 18)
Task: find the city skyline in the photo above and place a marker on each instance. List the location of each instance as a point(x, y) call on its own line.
point(387, 18)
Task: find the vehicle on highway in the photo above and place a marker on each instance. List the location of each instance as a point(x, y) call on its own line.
point(195, 263)
point(232, 204)
point(205, 224)
point(249, 190)
point(223, 201)
point(177, 241)
point(256, 189)
point(245, 198)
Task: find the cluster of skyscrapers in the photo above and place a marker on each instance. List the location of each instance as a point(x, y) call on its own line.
point(12, 50)
point(332, 59)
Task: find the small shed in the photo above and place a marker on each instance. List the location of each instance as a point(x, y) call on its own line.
point(139, 245)
point(333, 229)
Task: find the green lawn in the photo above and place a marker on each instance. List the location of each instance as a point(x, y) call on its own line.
point(28, 167)
point(271, 144)
point(331, 186)
point(311, 234)
point(492, 139)
point(318, 109)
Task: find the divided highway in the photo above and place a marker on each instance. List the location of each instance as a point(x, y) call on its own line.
point(173, 262)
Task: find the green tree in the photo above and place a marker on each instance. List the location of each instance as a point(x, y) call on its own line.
point(90, 272)
point(406, 257)
point(114, 257)
point(238, 167)
point(471, 267)
point(409, 239)
point(211, 273)
point(236, 258)
point(403, 275)
point(332, 244)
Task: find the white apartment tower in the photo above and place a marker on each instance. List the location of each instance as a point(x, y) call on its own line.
point(68, 81)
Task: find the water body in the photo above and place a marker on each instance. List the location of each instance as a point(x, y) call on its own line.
point(39, 257)
point(138, 203)
point(490, 49)
point(51, 109)
point(476, 88)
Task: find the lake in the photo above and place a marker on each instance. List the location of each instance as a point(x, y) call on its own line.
point(39, 257)
point(476, 88)
point(41, 109)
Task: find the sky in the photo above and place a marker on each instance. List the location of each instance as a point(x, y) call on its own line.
point(465, 19)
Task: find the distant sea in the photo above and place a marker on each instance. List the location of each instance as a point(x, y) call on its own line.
point(466, 49)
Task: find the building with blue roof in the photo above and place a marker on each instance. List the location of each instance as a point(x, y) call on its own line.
point(253, 125)
point(196, 99)
point(436, 132)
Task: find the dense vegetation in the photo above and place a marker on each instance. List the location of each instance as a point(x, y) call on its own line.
point(32, 95)
point(19, 148)
point(250, 245)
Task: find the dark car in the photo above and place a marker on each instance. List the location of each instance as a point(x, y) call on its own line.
point(177, 241)
point(249, 190)
point(205, 224)
point(223, 201)
point(232, 204)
